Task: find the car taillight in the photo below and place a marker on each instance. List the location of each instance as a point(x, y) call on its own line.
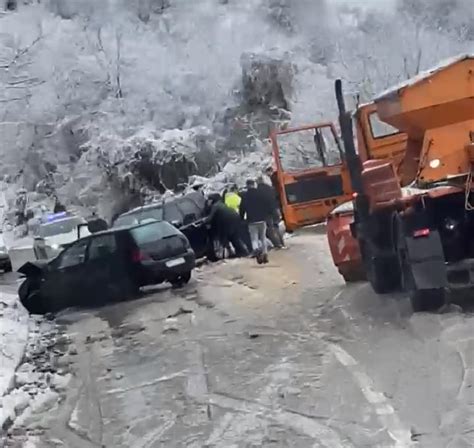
point(138, 255)
point(420, 233)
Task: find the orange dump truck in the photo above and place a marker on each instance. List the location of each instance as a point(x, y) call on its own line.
point(419, 240)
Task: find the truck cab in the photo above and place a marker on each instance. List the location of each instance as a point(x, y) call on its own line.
point(310, 175)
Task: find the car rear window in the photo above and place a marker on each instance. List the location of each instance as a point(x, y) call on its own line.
point(153, 232)
point(140, 217)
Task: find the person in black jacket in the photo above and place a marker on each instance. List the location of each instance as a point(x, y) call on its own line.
point(226, 225)
point(256, 207)
point(273, 229)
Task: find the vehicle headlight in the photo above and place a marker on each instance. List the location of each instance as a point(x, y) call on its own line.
point(55, 246)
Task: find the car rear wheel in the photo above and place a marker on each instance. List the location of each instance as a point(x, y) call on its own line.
point(181, 280)
point(31, 298)
point(122, 291)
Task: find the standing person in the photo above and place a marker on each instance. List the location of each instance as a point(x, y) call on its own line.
point(257, 209)
point(232, 199)
point(273, 229)
point(226, 224)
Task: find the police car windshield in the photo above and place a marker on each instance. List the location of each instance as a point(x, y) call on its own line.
point(61, 226)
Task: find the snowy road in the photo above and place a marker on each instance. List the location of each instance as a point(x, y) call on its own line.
point(278, 356)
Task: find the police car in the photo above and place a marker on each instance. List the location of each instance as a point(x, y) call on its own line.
point(57, 231)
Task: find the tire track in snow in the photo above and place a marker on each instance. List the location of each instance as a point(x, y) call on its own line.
point(386, 414)
point(231, 429)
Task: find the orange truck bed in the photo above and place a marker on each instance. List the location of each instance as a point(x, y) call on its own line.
point(436, 111)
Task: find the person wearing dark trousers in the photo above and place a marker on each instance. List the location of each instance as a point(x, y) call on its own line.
point(273, 231)
point(226, 225)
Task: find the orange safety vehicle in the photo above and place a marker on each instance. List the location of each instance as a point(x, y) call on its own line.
point(375, 141)
point(311, 176)
point(420, 241)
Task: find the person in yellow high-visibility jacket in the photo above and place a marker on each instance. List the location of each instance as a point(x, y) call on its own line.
point(232, 199)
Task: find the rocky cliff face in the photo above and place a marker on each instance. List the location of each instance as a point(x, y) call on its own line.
point(110, 103)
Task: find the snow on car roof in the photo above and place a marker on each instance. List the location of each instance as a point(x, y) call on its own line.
point(391, 91)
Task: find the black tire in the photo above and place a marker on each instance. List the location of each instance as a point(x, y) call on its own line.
point(382, 274)
point(420, 299)
point(181, 280)
point(122, 291)
point(427, 299)
point(8, 267)
point(31, 298)
point(354, 276)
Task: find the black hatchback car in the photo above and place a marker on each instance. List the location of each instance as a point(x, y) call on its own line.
point(188, 214)
point(107, 266)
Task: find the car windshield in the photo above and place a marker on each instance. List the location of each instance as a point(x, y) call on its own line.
point(140, 216)
point(153, 232)
point(308, 148)
point(59, 227)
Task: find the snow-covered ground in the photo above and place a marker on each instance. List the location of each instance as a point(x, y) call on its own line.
point(13, 338)
point(36, 378)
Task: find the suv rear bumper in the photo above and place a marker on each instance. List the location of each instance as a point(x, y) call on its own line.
point(156, 271)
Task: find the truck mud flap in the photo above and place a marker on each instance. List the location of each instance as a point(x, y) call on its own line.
point(426, 257)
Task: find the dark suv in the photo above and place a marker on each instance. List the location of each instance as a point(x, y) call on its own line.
point(108, 266)
point(187, 213)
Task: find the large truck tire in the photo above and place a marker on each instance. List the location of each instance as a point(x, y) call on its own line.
point(422, 299)
point(383, 275)
point(353, 275)
point(427, 299)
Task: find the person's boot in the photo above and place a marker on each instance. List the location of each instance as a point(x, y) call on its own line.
point(265, 258)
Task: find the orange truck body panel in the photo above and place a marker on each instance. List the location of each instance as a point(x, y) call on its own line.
point(343, 246)
point(436, 110)
point(301, 213)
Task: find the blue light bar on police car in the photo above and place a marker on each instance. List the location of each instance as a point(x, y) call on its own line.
point(55, 216)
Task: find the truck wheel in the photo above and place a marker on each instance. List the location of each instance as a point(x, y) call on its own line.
point(421, 299)
point(382, 274)
point(353, 274)
point(427, 299)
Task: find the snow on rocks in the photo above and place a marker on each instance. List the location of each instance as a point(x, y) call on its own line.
point(236, 171)
point(38, 383)
point(13, 338)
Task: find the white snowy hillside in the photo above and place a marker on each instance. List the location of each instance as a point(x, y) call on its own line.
point(102, 100)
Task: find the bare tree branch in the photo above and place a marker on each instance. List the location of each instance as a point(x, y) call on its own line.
point(118, 61)
point(10, 100)
point(22, 51)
